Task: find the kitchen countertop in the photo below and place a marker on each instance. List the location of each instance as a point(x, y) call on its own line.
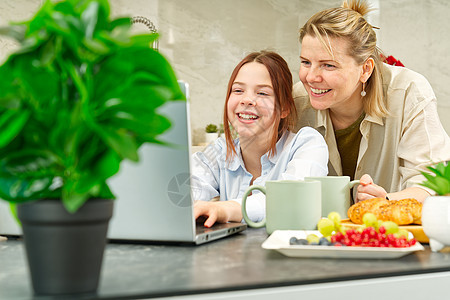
point(237, 263)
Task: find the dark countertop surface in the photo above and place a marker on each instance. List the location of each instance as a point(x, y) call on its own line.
point(132, 270)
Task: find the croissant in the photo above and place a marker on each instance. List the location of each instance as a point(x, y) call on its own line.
point(402, 212)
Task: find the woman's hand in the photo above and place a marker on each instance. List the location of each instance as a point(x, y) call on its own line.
point(367, 189)
point(217, 211)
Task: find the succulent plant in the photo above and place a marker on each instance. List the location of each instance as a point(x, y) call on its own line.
point(440, 180)
point(211, 128)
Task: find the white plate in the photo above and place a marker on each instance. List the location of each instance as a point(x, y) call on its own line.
point(279, 241)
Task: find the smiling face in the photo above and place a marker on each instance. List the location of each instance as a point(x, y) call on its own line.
point(251, 105)
point(332, 81)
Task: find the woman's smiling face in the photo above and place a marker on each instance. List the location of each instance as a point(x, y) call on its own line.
point(251, 105)
point(332, 81)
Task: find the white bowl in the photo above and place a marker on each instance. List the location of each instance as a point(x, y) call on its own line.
point(436, 221)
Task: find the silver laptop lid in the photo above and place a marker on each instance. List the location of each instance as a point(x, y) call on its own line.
point(153, 196)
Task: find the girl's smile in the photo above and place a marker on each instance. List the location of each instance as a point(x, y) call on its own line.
point(247, 116)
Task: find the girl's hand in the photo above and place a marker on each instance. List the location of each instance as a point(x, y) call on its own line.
point(367, 189)
point(217, 211)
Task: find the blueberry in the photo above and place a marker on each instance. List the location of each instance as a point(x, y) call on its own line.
point(302, 242)
point(323, 241)
point(295, 241)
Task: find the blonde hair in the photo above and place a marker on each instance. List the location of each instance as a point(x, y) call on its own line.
point(348, 22)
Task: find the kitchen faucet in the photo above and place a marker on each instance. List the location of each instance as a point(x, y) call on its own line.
point(150, 26)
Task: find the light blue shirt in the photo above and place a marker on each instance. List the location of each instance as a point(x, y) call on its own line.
point(297, 156)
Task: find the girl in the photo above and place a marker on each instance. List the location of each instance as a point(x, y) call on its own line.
point(260, 108)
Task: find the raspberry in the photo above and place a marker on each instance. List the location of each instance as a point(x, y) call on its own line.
point(370, 237)
point(351, 232)
point(339, 236)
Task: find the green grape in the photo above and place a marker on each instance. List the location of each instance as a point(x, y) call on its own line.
point(361, 228)
point(379, 223)
point(343, 228)
point(403, 232)
point(370, 220)
point(326, 227)
point(391, 227)
point(312, 238)
point(335, 217)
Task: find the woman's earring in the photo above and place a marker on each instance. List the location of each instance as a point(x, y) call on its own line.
point(363, 92)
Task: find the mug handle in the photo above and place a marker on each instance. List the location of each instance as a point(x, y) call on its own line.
point(351, 184)
point(244, 211)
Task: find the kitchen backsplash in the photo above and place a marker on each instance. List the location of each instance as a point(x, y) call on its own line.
point(204, 40)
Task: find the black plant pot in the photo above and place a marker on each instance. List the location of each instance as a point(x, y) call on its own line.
point(65, 251)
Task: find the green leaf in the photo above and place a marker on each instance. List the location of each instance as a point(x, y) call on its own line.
point(144, 40)
point(107, 166)
point(18, 190)
point(39, 83)
point(71, 200)
point(128, 62)
point(15, 32)
point(432, 186)
point(89, 16)
point(13, 209)
point(9, 96)
point(28, 162)
point(11, 123)
point(443, 186)
point(104, 192)
point(91, 183)
point(93, 175)
point(120, 23)
point(447, 171)
point(440, 169)
point(121, 142)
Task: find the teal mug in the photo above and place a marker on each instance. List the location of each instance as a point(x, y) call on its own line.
point(290, 205)
point(335, 194)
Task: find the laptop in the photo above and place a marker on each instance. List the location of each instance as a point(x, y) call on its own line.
point(154, 195)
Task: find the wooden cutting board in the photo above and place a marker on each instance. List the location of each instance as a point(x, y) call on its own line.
point(416, 230)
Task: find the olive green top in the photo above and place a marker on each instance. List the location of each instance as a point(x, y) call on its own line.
point(348, 141)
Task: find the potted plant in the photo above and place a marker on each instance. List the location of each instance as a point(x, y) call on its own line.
point(79, 96)
point(211, 133)
point(436, 209)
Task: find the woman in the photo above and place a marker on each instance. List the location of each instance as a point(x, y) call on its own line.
point(380, 122)
point(260, 108)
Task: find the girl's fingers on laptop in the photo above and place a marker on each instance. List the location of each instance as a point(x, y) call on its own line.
point(205, 210)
